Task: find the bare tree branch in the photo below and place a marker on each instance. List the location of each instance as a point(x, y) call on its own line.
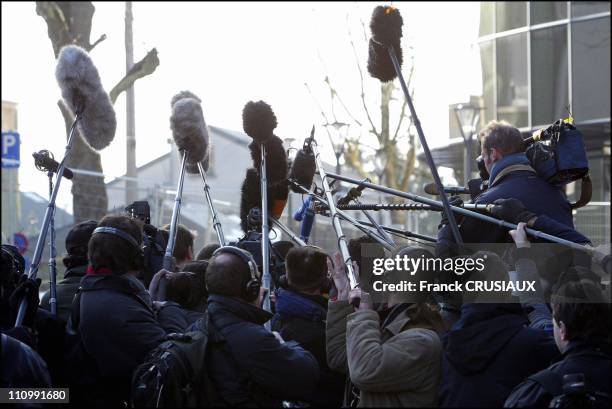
point(98, 41)
point(365, 106)
point(322, 113)
point(142, 68)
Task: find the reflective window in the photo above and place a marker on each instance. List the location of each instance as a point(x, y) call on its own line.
point(544, 11)
point(584, 8)
point(549, 75)
point(487, 18)
point(591, 69)
point(510, 14)
point(512, 95)
point(487, 62)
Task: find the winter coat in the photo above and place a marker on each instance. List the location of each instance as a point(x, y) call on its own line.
point(397, 364)
point(301, 318)
point(590, 358)
point(488, 352)
point(118, 327)
point(247, 364)
point(536, 194)
point(66, 289)
point(21, 366)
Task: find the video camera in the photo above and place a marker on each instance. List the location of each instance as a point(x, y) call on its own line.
point(563, 159)
point(153, 242)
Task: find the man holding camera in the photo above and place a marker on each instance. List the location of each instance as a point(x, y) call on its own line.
point(510, 177)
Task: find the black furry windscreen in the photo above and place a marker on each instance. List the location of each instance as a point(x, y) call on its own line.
point(250, 195)
point(258, 120)
point(303, 170)
point(276, 159)
point(386, 26)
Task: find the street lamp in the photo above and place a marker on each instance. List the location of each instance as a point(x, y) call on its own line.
point(468, 116)
point(339, 143)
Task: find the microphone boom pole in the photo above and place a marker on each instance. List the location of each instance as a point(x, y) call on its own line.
point(352, 277)
point(288, 232)
point(52, 265)
point(432, 166)
point(265, 230)
point(49, 213)
point(216, 222)
point(176, 211)
point(460, 210)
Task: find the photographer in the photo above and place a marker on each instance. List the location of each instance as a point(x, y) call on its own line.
point(392, 356)
point(76, 264)
point(249, 365)
point(581, 318)
point(116, 321)
point(511, 177)
point(301, 311)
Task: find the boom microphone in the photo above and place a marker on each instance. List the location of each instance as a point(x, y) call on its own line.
point(430, 188)
point(258, 121)
point(83, 93)
point(46, 163)
point(276, 159)
point(250, 197)
point(351, 195)
point(386, 25)
point(190, 131)
point(302, 170)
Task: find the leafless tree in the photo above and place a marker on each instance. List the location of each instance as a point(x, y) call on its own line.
point(395, 138)
point(70, 23)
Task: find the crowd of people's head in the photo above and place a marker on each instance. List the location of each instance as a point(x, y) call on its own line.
point(127, 330)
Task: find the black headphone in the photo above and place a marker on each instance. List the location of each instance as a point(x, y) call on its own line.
point(139, 261)
point(251, 291)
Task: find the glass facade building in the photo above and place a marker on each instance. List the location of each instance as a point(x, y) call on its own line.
point(542, 60)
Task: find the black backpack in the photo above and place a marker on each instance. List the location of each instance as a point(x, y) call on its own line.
point(174, 374)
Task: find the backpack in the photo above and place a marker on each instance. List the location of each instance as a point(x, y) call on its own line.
point(174, 373)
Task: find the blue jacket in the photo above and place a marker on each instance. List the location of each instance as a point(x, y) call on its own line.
point(488, 352)
point(248, 365)
point(538, 196)
point(301, 318)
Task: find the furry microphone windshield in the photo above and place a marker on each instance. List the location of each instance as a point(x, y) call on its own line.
point(182, 95)
point(258, 121)
point(276, 159)
point(303, 170)
point(190, 131)
point(83, 93)
point(250, 197)
point(386, 26)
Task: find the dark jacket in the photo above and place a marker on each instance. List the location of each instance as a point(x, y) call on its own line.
point(248, 365)
point(488, 352)
point(117, 328)
point(536, 194)
point(21, 366)
point(592, 359)
point(301, 318)
point(66, 289)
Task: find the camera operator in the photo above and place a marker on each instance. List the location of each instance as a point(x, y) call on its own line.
point(581, 319)
point(301, 311)
point(76, 264)
point(510, 177)
point(114, 315)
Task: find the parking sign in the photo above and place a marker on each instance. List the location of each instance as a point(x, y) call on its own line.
point(10, 149)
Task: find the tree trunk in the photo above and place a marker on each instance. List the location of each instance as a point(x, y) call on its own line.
point(70, 23)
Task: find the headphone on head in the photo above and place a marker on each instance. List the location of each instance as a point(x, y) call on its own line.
point(251, 290)
point(139, 261)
